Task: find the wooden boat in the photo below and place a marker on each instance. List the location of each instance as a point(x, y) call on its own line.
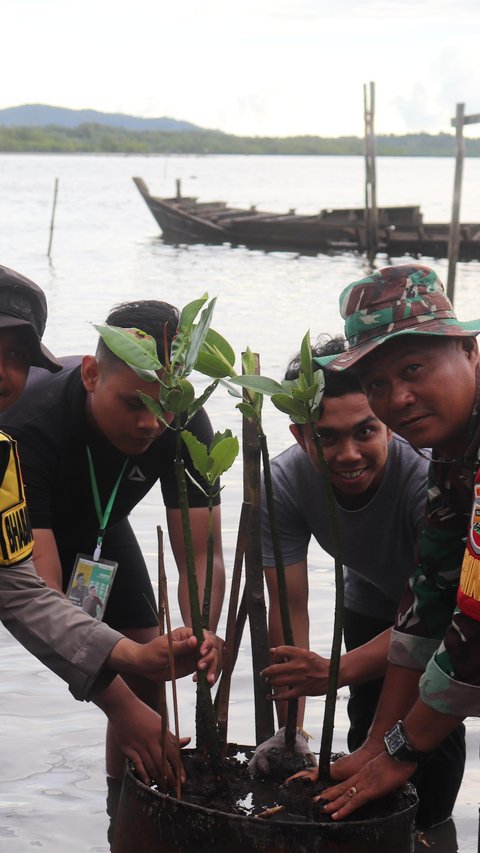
point(401, 230)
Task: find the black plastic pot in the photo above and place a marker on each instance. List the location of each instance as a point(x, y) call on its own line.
point(151, 822)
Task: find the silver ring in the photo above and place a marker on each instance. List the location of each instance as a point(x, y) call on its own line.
point(351, 792)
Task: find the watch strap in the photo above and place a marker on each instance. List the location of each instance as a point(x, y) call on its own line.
point(398, 746)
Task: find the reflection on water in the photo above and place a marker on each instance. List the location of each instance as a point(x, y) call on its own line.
point(106, 249)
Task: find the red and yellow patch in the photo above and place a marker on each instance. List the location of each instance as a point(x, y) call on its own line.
point(468, 597)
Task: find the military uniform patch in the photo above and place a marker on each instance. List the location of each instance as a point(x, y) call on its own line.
point(468, 598)
point(16, 540)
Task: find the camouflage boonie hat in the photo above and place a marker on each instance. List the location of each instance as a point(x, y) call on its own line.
point(407, 299)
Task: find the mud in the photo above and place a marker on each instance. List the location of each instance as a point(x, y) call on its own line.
point(235, 792)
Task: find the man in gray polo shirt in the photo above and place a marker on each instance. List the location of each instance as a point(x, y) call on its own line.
point(379, 483)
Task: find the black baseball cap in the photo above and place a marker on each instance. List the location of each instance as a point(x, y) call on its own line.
point(23, 305)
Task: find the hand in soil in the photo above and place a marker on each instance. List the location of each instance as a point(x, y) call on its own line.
point(272, 760)
point(347, 765)
point(378, 777)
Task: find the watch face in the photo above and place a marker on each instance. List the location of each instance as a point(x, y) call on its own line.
point(394, 739)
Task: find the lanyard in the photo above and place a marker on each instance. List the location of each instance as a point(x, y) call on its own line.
point(102, 517)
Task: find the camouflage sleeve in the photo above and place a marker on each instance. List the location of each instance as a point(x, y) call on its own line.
point(426, 608)
point(428, 603)
point(451, 682)
point(447, 695)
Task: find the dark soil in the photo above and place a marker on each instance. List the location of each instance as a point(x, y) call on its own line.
point(236, 793)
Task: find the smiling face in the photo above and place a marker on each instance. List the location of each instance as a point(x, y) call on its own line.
point(14, 366)
point(423, 387)
point(355, 445)
point(115, 409)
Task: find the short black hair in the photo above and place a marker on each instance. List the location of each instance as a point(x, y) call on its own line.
point(337, 383)
point(150, 316)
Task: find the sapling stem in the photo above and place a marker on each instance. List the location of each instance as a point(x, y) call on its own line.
point(331, 696)
point(292, 712)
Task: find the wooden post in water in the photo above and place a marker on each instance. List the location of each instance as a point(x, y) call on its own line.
point(371, 215)
point(454, 238)
point(52, 221)
point(264, 727)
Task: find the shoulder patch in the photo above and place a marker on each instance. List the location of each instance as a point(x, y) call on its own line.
point(16, 540)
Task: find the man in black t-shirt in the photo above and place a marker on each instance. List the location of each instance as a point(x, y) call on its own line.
point(80, 432)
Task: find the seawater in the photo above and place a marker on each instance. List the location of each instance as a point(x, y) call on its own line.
point(106, 249)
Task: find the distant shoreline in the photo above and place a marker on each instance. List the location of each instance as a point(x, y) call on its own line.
point(101, 139)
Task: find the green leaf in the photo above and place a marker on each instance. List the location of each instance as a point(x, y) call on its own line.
point(223, 456)
point(220, 344)
point(319, 380)
point(180, 397)
point(306, 359)
point(248, 411)
point(231, 390)
point(306, 395)
point(190, 311)
point(132, 346)
point(259, 384)
point(298, 411)
point(198, 403)
point(198, 336)
point(182, 339)
point(216, 357)
point(211, 364)
point(198, 452)
point(145, 375)
point(154, 407)
point(219, 436)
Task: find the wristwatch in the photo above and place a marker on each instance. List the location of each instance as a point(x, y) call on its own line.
point(398, 747)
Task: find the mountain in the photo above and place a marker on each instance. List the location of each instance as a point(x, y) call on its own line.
point(41, 115)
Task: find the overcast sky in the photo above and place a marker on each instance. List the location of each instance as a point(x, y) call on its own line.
point(259, 67)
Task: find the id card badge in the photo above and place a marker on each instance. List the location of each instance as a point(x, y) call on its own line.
point(90, 584)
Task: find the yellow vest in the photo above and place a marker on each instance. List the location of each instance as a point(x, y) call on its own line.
point(16, 540)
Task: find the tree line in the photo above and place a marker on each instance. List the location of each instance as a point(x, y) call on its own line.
point(97, 138)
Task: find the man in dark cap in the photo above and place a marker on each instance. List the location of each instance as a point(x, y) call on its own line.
point(83, 651)
point(418, 365)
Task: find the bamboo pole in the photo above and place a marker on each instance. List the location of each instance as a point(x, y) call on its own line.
point(52, 220)
point(164, 616)
point(229, 652)
point(264, 727)
point(454, 236)
point(371, 212)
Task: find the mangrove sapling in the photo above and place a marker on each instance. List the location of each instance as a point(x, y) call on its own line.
point(301, 400)
point(173, 397)
point(211, 462)
point(251, 408)
point(217, 360)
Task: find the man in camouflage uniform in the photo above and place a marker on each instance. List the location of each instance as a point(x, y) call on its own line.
point(419, 367)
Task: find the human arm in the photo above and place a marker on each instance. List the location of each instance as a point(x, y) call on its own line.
point(425, 729)
point(299, 672)
point(46, 557)
point(265, 758)
point(79, 649)
point(152, 659)
point(296, 579)
point(138, 731)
